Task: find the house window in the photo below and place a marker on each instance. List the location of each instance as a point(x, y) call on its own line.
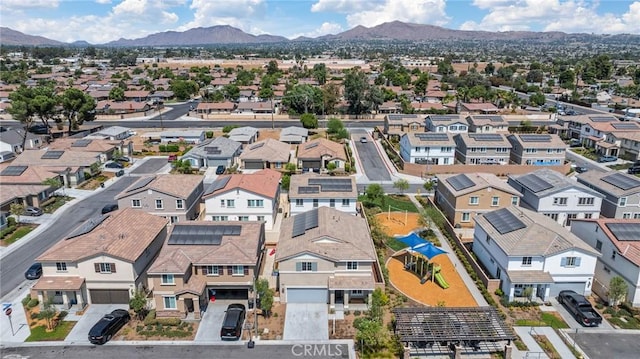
point(168, 279)
point(332, 203)
point(526, 261)
point(260, 218)
point(466, 217)
point(299, 202)
point(238, 270)
point(599, 245)
point(588, 215)
point(173, 219)
point(255, 203)
point(626, 215)
point(222, 202)
point(495, 201)
point(243, 218)
point(613, 255)
point(104, 267)
point(135, 203)
point(570, 217)
point(553, 216)
point(278, 164)
point(179, 204)
point(61, 266)
point(636, 216)
point(623, 201)
point(345, 202)
point(474, 200)
point(219, 218)
point(585, 201)
point(169, 302)
point(502, 150)
point(352, 265)
point(446, 149)
point(514, 200)
point(560, 201)
point(231, 203)
point(212, 270)
point(356, 292)
point(159, 204)
point(570, 262)
point(315, 203)
point(306, 267)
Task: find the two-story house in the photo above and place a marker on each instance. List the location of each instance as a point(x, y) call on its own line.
point(446, 123)
point(628, 142)
point(176, 197)
point(244, 197)
point(556, 196)
point(265, 154)
point(462, 197)
point(618, 242)
point(482, 148)
point(103, 261)
point(205, 261)
point(581, 127)
point(316, 154)
point(532, 254)
point(397, 124)
point(428, 148)
point(487, 124)
point(621, 192)
point(212, 153)
point(309, 190)
point(537, 149)
point(327, 256)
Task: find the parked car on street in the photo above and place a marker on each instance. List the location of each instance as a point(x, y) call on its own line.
point(120, 173)
point(634, 170)
point(33, 211)
point(108, 326)
point(581, 169)
point(34, 272)
point(115, 165)
point(607, 159)
point(233, 321)
point(580, 308)
point(172, 158)
point(363, 139)
point(109, 208)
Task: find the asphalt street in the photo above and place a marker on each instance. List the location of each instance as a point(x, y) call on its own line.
point(374, 167)
point(608, 344)
point(14, 264)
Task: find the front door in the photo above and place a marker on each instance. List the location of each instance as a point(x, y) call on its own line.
point(339, 297)
point(188, 303)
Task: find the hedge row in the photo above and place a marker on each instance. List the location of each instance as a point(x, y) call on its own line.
point(169, 148)
point(151, 319)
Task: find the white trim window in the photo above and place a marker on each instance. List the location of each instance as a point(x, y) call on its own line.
point(168, 279)
point(105, 267)
point(585, 201)
point(474, 200)
point(179, 204)
point(255, 203)
point(351, 265)
point(346, 202)
point(526, 261)
point(213, 270)
point(61, 266)
point(135, 203)
point(466, 217)
point(159, 204)
point(299, 202)
point(495, 201)
point(231, 203)
point(238, 270)
point(560, 201)
point(514, 200)
point(169, 302)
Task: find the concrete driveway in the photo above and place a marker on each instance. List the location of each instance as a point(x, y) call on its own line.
point(150, 166)
point(571, 321)
point(211, 322)
point(306, 322)
point(79, 333)
point(603, 343)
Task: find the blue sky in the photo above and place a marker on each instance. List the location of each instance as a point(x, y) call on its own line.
point(100, 21)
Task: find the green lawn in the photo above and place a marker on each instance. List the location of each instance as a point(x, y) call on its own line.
point(397, 203)
point(546, 320)
point(623, 166)
point(57, 202)
point(395, 244)
point(17, 234)
point(40, 334)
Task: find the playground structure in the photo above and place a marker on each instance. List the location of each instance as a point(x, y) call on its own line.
point(424, 269)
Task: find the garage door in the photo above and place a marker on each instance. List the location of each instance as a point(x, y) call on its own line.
point(577, 287)
point(109, 296)
point(310, 164)
point(218, 162)
point(307, 295)
point(250, 165)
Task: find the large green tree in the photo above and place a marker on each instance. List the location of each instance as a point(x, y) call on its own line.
point(320, 73)
point(355, 89)
point(77, 107)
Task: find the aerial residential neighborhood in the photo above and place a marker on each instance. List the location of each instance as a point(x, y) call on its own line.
point(397, 190)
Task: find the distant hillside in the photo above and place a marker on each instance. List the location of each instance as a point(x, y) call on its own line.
point(13, 37)
point(223, 34)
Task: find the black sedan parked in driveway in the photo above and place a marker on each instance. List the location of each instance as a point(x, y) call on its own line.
point(34, 272)
point(108, 326)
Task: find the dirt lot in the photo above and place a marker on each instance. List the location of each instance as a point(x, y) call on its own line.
point(429, 293)
point(274, 324)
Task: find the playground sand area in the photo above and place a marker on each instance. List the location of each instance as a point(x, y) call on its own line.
point(407, 282)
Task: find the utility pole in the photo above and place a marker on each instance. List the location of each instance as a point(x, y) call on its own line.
point(272, 110)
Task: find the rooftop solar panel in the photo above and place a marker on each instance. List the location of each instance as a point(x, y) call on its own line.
point(444, 117)
point(88, 226)
point(399, 117)
point(13, 170)
point(504, 221)
point(212, 150)
point(486, 137)
point(432, 136)
point(460, 182)
point(625, 126)
point(256, 146)
point(141, 183)
point(622, 181)
point(202, 234)
point(534, 183)
point(311, 145)
point(625, 231)
point(602, 118)
point(81, 143)
point(219, 183)
point(50, 155)
point(308, 189)
point(492, 118)
point(535, 138)
point(304, 222)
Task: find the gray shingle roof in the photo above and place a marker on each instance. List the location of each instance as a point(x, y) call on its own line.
point(558, 182)
point(226, 146)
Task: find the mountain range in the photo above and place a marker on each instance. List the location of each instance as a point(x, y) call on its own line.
point(390, 31)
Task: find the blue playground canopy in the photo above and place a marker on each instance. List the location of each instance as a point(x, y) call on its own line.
point(420, 245)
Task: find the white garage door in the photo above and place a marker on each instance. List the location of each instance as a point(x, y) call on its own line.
point(577, 287)
point(307, 295)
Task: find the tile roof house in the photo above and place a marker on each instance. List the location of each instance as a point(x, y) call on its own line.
point(105, 148)
point(103, 261)
point(557, 196)
point(398, 124)
point(225, 107)
point(462, 197)
point(327, 256)
point(294, 135)
point(428, 148)
point(532, 254)
point(316, 154)
point(188, 136)
point(482, 148)
point(479, 107)
point(219, 151)
point(244, 135)
point(244, 197)
point(71, 164)
point(172, 196)
point(487, 124)
point(265, 154)
point(309, 190)
point(205, 261)
point(618, 241)
point(537, 149)
point(111, 133)
point(621, 192)
point(446, 123)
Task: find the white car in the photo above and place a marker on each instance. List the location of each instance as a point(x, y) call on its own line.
point(363, 139)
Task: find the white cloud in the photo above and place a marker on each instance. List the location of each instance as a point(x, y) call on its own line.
point(344, 6)
point(325, 29)
point(237, 13)
point(414, 11)
point(104, 2)
point(8, 5)
point(553, 15)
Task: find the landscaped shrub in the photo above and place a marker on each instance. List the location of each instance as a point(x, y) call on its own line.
point(26, 300)
point(499, 292)
point(34, 315)
point(168, 321)
point(209, 134)
point(33, 302)
point(357, 313)
point(7, 231)
point(11, 221)
point(150, 318)
point(63, 314)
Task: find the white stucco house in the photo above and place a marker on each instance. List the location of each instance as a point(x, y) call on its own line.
point(428, 148)
point(526, 249)
point(309, 190)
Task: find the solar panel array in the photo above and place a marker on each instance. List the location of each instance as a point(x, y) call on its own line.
point(535, 138)
point(332, 184)
point(444, 117)
point(602, 118)
point(202, 234)
point(491, 118)
point(141, 183)
point(432, 136)
point(256, 146)
point(399, 117)
point(308, 189)
point(460, 182)
point(220, 182)
point(625, 231)
point(534, 183)
point(625, 126)
point(81, 143)
point(88, 226)
point(304, 222)
point(504, 221)
point(212, 150)
point(311, 145)
point(622, 181)
point(13, 171)
point(49, 155)
point(486, 137)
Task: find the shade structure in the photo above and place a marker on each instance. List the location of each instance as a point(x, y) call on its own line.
point(420, 245)
point(412, 239)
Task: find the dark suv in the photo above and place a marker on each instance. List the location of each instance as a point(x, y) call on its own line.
point(109, 208)
point(220, 170)
point(108, 326)
point(634, 170)
point(232, 323)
